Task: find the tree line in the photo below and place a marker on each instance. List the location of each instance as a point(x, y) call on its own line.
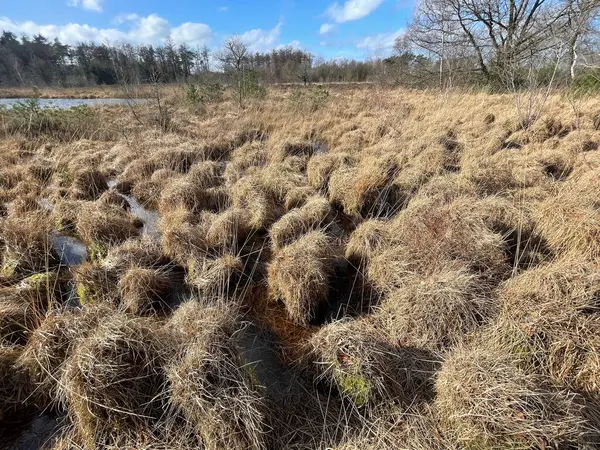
point(449, 42)
point(39, 61)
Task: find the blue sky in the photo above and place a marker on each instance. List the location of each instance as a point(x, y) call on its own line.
point(352, 28)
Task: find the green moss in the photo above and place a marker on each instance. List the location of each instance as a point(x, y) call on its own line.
point(8, 268)
point(98, 252)
point(85, 294)
point(356, 387)
point(41, 280)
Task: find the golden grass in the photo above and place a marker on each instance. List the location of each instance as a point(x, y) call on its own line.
point(484, 399)
point(218, 394)
point(300, 274)
point(426, 268)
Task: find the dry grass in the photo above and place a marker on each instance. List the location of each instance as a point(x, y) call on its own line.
point(14, 391)
point(210, 384)
point(425, 269)
point(114, 377)
point(486, 400)
point(300, 274)
point(26, 245)
point(144, 291)
point(88, 185)
point(548, 319)
point(315, 214)
point(367, 367)
point(104, 225)
point(437, 309)
point(49, 347)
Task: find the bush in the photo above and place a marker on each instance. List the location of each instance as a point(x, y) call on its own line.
point(202, 93)
point(587, 82)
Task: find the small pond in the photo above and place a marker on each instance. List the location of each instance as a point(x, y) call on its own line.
point(65, 103)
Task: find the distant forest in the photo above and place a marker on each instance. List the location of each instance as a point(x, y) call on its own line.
point(38, 61)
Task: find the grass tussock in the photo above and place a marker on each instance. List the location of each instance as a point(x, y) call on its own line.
point(548, 320)
point(26, 245)
point(49, 347)
point(144, 291)
point(485, 399)
point(315, 214)
point(14, 391)
point(114, 378)
point(17, 318)
point(300, 273)
point(88, 184)
point(104, 225)
point(219, 395)
point(437, 309)
point(367, 367)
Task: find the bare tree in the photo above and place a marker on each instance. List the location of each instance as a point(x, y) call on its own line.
point(500, 34)
point(581, 18)
point(305, 68)
point(233, 57)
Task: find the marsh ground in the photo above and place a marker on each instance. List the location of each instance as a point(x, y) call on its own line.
point(349, 267)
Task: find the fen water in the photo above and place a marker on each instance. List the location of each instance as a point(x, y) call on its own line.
point(66, 103)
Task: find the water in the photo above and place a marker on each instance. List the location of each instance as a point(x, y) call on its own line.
point(150, 218)
point(71, 251)
point(36, 433)
point(65, 103)
point(320, 147)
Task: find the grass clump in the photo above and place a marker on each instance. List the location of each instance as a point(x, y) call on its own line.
point(437, 309)
point(96, 284)
point(299, 275)
point(214, 389)
point(17, 318)
point(14, 390)
point(88, 184)
point(145, 291)
point(49, 347)
point(114, 378)
point(315, 214)
point(367, 368)
point(486, 400)
point(217, 277)
point(26, 245)
point(102, 226)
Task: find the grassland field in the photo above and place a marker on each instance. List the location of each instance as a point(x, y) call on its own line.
point(340, 267)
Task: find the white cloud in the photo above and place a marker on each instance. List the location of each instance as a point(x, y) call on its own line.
point(152, 29)
point(326, 28)
point(352, 10)
point(259, 40)
point(193, 34)
point(122, 18)
point(380, 42)
point(92, 5)
point(294, 44)
point(223, 9)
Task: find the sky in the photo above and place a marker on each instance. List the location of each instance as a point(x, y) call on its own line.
point(344, 29)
